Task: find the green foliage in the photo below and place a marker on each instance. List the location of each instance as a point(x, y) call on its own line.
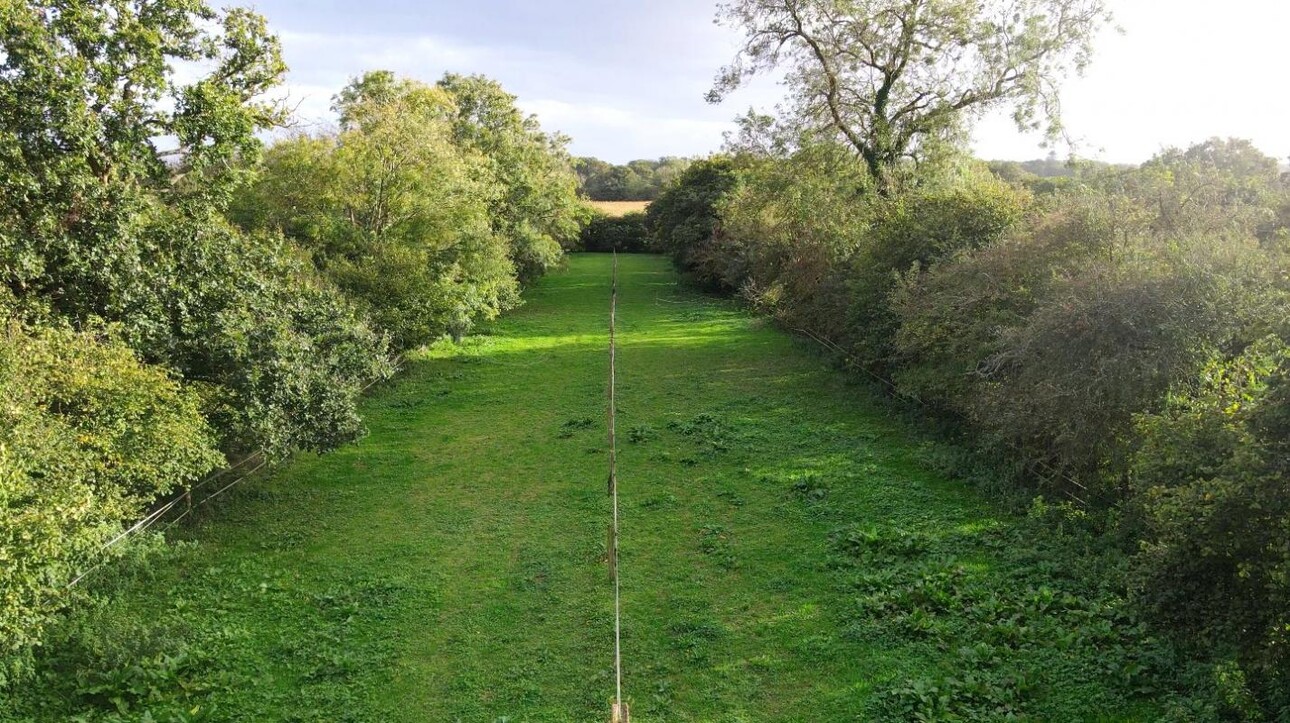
point(788, 228)
point(428, 206)
point(87, 87)
point(279, 354)
point(805, 239)
point(1051, 175)
point(536, 208)
point(626, 233)
point(910, 234)
point(1069, 628)
point(89, 436)
point(95, 224)
point(174, 661)
point(1050, 341)
point(684, 220)
point(641, 180)
point(1209, 479)
point(391, 210)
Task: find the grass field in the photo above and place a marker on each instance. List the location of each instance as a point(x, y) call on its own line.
point(787, 555)
point(619, 208)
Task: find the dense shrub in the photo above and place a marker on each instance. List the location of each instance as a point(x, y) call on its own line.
point(278, 353)
point(89, 435)
point(909, 235)
point(805, 239)
point(1110, 346)
point(143, 333)
point(685, 223)
point(626, 234)
point(1118, 340)
point(1210, 479)
point(787, 231)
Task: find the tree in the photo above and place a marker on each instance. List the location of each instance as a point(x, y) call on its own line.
point(393, 209)
point(114, 176)
point(87, 94)
point(538, 210)
point(894, 79)
point(685, 221)
point(640, 180)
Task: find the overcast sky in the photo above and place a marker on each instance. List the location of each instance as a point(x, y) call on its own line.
point(625, 78)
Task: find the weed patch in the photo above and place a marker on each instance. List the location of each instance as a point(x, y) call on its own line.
point(573, 426)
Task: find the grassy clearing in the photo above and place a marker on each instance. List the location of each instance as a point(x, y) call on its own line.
point(617, 209)
point(786, 553)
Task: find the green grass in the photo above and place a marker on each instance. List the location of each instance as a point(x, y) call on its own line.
point(787, 553)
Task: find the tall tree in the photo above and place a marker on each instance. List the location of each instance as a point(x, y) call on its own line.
point(115, 171)
point(893, 79)
point(393, 209)
point(538, 210)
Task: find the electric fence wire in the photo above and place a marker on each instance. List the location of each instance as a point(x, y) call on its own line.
point(152, 518)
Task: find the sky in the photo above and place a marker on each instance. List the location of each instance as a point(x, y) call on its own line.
point(625, 79)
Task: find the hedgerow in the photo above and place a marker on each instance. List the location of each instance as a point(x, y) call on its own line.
point(168, 301)
point(1117, 342)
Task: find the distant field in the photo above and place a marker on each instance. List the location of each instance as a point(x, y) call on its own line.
point(619, 208)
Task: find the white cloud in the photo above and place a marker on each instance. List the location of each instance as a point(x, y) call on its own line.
point(629, 81)
point(634, 134)
point(606, 112)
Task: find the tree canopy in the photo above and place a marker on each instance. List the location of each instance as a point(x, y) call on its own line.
point(893, 79)
point(536, 209)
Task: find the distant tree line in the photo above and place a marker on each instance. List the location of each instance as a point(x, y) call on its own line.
point(637, 181)
point(172, 297)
